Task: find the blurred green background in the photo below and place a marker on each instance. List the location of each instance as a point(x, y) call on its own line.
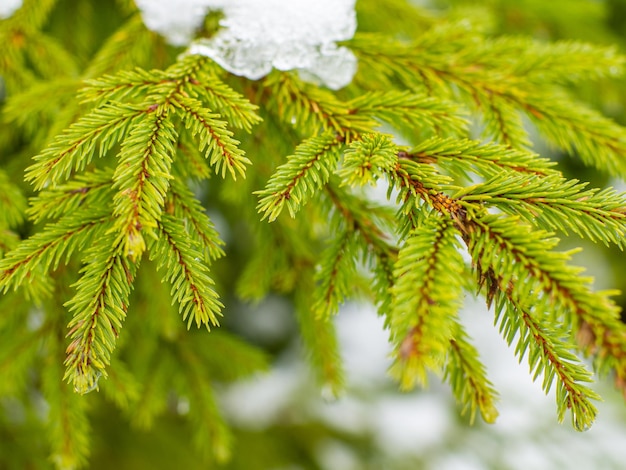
point(282, 421)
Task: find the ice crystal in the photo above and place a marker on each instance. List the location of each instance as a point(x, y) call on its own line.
point(258, 35)
point(8, 7)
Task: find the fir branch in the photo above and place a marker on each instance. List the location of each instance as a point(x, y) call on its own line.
point(74, 149)
point(212, 435)
point(191, 287)
point(548, 354)
point(91, 189)
point(311, 109)
point(306, 171)
point(556, 290)
point(98, 310)
point(334, 278)
point(214, 136)
point(372, 223)
point(67, 421)
point(515, 252)
point(567, 124)
point(404, 108)
point(125, 86)
point(142, 178)
point(191, 161)
point(598, 140)
point(46, 249)
point(366, 159)
point(12, 203)
point(199, 226)
point(319, 338)
point(467, 376)
point(218, 96)
point(503, 122)
point(471, 156)
point(564, 61)
point(425, 300)
point(553, 202)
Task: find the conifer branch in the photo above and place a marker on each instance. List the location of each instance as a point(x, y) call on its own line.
point(98, 308)
point(191, 287)
point(403, 108)
point(91, 189)
point(214, 136)
point(468, 380)
point(312, 109)
point(425, 299)
point(142, 178)
point(598, 140)
point(320, 342)
point(547, 353)
point(212, 435)
point(555, 203)
point(201, 229)
point(217, 96)
point(12, 203)
point(366, 159)
point(336, 272)
point(471, 156)
point(305, 172)
point(74, 149)
point(46, 249)
point(372, 224)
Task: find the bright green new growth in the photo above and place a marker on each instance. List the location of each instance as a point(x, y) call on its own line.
point(114, 191)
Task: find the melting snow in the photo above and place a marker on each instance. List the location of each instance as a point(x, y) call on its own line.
point(258, 35)
point(8, 7)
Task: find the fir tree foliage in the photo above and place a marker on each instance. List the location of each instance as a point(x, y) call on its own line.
point(112, 212)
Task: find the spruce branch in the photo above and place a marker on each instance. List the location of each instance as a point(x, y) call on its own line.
point(337, 270)
point(462, 157)
point(90, 189)
point(311, 109)
point(553, 203)
point(467, 377)
point(305, 172)
point(186, 207)
point(425, 298)
point(73, 150)
point(98, 308)
point(212, 435)
point(213, 134)
point(191, 287)
point(366, 159)
point(142, 178)
point(46, 249)
point(407, 109)
point(12, 203)
point(548, 354)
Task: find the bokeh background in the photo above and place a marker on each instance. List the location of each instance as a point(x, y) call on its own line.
point(283, 421)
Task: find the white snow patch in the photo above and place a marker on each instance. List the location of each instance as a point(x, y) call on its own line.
point(176, 20)
point(258, 35)
point(8, 7)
